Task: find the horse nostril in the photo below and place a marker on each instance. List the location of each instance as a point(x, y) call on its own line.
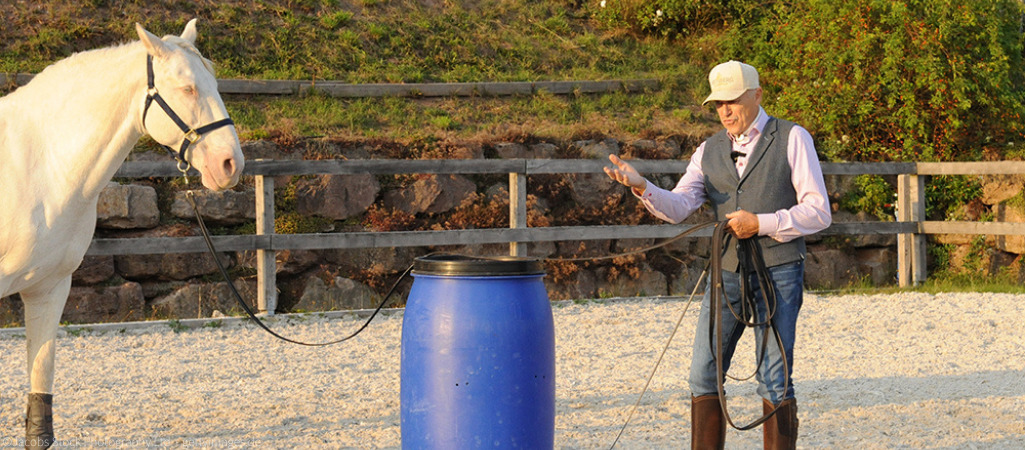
point(229, 167)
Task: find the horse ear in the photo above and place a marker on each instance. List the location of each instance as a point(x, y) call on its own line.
point(154, 46)
point(190, 32)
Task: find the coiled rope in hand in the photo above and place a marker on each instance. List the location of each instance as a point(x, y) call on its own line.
point(750, 256)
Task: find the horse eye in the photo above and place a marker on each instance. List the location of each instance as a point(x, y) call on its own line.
point(189, 90)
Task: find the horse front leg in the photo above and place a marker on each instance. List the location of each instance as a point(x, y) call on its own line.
point(42, 316)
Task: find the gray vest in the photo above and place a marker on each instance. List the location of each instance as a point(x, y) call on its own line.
point(764, 189)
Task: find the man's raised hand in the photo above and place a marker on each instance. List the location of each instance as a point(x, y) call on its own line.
point(625, 174)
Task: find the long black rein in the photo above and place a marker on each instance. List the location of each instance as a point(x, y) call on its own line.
point(249, 311)
point(750, 255)
point(252, 315)
point(749, 250)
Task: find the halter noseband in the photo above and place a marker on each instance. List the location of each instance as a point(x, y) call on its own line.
point(191, 135)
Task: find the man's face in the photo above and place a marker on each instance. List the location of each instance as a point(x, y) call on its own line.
point(738, 114)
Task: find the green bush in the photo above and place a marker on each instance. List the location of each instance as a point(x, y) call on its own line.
point(896, 80)
point(945, 194)
point(675, 18)
point(871, 194)
point(873, 80)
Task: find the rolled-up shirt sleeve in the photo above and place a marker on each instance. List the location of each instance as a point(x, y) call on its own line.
point(811, 214)
point(689, 194)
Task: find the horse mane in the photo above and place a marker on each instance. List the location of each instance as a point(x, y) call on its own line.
point(79, 57)
point(189, 47)
point(102, 51)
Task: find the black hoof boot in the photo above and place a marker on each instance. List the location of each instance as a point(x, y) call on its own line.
point(39, 421)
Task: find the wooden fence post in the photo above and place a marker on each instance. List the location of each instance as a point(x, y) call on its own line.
point(517, 210)
point(266, 266)
point(911, 251)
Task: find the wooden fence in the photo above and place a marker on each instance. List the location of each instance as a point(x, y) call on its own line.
point(471, 89)
point(911, 228)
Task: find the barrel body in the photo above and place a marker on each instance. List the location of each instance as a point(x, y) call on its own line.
point(478, 357)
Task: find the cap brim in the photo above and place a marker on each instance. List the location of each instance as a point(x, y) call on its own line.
point(724, 96)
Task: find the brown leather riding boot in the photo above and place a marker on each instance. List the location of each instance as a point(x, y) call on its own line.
point(707, 423)
point(780, 431)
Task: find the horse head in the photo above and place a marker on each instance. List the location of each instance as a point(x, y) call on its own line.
point(190, 116)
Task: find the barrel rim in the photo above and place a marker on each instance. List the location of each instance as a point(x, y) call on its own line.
point(450, 264)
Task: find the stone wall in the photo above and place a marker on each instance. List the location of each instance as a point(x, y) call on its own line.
point(139, 287)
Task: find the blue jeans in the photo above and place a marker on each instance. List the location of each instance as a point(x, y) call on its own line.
point(789, 280)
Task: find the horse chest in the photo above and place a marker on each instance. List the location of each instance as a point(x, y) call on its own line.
point(34, 250)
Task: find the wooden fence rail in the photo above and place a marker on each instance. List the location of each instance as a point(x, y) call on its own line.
point(349, 90)
point(911, 228)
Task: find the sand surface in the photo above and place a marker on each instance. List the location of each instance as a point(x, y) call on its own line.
point(904, 370)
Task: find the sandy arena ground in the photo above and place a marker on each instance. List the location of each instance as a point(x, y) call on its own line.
point(873, 372)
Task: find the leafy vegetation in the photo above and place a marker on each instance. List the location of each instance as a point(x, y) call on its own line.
point(872, 194)
point(947, 193)
point(872, 79)
point(910, 80)
point(970, 272)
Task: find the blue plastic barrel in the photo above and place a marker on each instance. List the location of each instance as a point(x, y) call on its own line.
point(478, 355)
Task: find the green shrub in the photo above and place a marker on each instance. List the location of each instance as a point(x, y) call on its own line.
point(871, 194)
point(675, 18)
point(873, 80)
point(939, 258)
point(945, 194)
point(896, 80)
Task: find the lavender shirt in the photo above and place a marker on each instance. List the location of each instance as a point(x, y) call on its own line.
point(810, 215)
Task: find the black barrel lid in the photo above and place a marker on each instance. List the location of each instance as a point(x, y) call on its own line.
point(465, 265)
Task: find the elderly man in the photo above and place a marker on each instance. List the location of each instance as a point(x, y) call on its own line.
point(762, 175)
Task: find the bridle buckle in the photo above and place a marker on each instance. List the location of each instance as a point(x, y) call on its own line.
point(191, 136)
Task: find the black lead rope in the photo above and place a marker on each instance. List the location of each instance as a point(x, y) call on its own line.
point(249, 311)
point(750, 257)
point(664, 243)
point(749, 247)
point(238, 297)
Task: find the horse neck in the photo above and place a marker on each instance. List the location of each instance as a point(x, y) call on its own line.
point(93, 103)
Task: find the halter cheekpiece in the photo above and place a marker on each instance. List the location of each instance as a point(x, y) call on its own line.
point(191, 135)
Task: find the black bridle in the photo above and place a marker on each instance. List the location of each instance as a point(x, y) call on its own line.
point(191, 135)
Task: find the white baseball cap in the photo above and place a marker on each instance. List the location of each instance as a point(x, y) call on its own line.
point(730, 80)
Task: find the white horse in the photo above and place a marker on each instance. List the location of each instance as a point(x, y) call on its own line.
point(62, 137)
